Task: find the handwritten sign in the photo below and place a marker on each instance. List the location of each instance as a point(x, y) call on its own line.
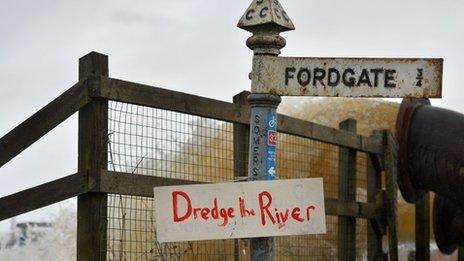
point(348, 77)
point(239, 210)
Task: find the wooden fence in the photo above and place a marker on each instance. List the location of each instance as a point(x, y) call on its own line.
point(93, 181)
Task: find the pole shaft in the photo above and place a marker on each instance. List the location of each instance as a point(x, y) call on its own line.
point(265, 40)
point(263, 131)
point(262, 156)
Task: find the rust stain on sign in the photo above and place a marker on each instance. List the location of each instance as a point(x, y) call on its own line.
point(348, 77)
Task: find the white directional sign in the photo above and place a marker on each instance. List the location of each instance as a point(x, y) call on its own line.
point(239, 210)
point(348, 77)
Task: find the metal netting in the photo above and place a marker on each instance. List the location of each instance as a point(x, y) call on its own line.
point(169, 144)
point(163, 143)
point(304, 158)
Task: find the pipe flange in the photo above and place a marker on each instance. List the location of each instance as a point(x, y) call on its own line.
point(443, 214)
point(403, 122)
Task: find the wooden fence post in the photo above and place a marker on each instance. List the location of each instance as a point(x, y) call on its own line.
point(347, 192)
point(461, 254)
point(374, 188)
point(390, 161)
point(423, 228)
point(93, 150)
point(241, 147)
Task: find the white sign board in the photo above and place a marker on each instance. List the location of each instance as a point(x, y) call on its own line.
point(239, 210)
point(348, 77)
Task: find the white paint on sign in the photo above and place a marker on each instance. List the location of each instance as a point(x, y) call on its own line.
point(239, 210)
point(348, 77)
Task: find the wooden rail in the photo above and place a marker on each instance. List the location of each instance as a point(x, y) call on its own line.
point(46, 119)
point(139, 94)
point(133, 184)
point(138, 185)
point(142, 185)
point(80, 94)
point(43, 195)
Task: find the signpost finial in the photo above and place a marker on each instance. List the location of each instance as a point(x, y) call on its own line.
point(266, 19)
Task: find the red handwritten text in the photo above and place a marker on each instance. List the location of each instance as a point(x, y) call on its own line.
point(267, 213)
point(215, 212)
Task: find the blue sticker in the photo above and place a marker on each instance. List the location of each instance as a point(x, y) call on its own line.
point(271, 128)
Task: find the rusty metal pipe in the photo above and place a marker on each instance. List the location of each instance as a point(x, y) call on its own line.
point(448, 225)
point(431, 151)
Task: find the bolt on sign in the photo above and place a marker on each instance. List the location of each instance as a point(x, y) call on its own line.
point(239, 210)
point(348, 77)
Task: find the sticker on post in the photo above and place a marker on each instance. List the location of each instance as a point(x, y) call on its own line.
point(272, 138)
point(271, 147)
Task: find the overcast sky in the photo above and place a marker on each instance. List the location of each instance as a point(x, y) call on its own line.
point(191, 46)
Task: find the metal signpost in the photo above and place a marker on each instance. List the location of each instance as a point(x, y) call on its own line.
point(274, 76)
point(265, 19)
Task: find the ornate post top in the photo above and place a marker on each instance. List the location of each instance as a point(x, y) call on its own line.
point(266, 19)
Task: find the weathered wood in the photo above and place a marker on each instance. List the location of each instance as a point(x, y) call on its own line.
point(334, 207)
point(92, 149)
point(121, 183)
point(133, 184)
point(329, 135)
point(347, 192)
point(377, 162)
point(377, 159)
point(42, 195)
point(390, 162)
point(461, 254)
point(241, 138)
point(423, 228)
point(93, 64)
point(379, 224)
point(374, 236)
point(149, 96)
point(43, 121)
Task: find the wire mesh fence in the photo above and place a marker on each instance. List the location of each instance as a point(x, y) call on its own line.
point(163, 143)
point(168, 144)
